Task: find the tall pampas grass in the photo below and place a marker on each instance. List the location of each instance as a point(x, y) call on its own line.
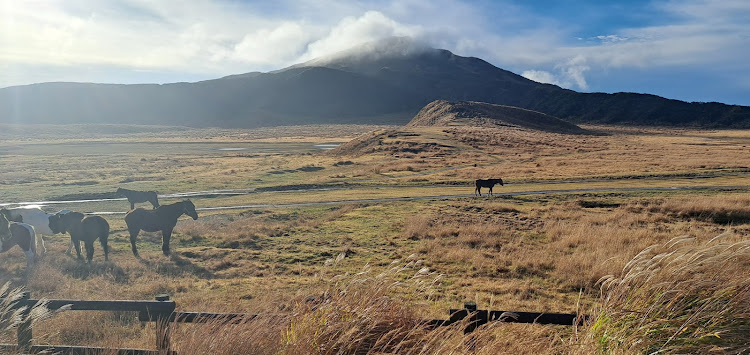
point(361, 314)
point(12, 316)
point(353, 314)
point(680, 297)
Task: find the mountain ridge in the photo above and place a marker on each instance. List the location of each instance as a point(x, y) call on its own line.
point(383, 82)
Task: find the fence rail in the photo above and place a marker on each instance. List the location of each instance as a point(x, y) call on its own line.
point(162, 312)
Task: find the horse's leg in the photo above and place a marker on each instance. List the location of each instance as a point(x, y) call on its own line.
point(77, 245)
point(132, 205)
point(133, 235)
point(490, 190)
point(30, 257)
point(103, 241)
point(89, 244)
point(166, 235)
point(70, 247)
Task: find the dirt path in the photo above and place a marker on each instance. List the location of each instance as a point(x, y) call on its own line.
point(447, 197)
point(312, 188)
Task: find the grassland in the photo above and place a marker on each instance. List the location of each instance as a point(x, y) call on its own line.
point(345, 225)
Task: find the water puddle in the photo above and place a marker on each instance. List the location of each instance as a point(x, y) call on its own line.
point(327, 146)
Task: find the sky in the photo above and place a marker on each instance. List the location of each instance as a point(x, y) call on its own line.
point(691, 50)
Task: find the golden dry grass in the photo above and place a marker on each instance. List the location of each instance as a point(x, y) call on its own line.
point(679, 297)
point(536, 253)
point(358, 314)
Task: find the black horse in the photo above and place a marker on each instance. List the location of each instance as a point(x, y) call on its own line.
point(161, 219)
point(82, 228)
point(490, 183)
point(139, 196)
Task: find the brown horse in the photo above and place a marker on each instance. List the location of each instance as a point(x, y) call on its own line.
point(82, 228)
point(490, 183)
point(161, 219)
point(21, 234)
point(139, 196)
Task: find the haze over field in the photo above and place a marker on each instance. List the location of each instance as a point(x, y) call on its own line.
point(691, 50)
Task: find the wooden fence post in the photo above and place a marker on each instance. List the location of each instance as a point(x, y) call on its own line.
point(25, 332)
point(162, 328)
point(476, 317)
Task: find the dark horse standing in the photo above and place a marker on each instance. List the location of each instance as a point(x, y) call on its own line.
point(139, 196)
point(82, 228)
point(490, 183)
point(161, 219)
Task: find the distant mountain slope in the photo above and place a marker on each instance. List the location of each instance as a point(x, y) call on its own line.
point(294, 96)
point(384, 82)
point(447, 113)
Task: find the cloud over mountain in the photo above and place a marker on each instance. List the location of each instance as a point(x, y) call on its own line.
point(604, 48)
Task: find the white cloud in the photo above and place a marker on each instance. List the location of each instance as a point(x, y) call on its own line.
point(204, 37)
point(352, 31)
point(573, 70)
point(611, 38)
point(701, 36)
point(268, 47)
point(568, 74)
point(215, 38)
point(541, 76)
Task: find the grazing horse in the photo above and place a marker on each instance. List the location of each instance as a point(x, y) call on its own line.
point(161, 219)
point(37, 218)
point(139, 196)
point(490, 183)
point(21, 234)
point(82, 228)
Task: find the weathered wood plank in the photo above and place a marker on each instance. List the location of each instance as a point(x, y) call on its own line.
point(75, 350)
point(121, 305)
point(200, 317)
point(519, 317)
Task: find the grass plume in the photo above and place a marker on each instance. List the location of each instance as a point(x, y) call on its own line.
point(680, 297)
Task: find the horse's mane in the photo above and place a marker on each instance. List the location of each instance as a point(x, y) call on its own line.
point(6, 212)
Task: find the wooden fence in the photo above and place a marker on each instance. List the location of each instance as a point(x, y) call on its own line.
point(162, 312)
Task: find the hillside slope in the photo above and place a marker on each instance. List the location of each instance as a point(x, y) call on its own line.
point(446, 113)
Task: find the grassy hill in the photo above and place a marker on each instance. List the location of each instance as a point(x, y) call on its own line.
point(446, 113)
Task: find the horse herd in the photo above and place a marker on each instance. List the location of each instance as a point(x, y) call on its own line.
point(25, 226)
point(21, 226)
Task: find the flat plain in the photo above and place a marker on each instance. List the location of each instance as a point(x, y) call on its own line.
point(389, 212)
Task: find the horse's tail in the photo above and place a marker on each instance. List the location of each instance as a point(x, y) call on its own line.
point(36, 244)
point(41, 249)
point(105, 231)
